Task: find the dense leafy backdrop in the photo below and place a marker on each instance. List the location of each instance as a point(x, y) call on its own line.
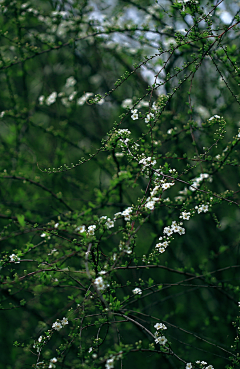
point(119, 152)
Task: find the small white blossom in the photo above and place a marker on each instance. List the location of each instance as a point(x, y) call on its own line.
point(53, 360)
point(134, 115)
point(64, 321)
point(162, 340)
point(51, 98)
point(185, 216)
point(168, 231)
point(137, 291)
point(57, 326)
point(41, 99)
point(150, 205)
point(91, 230)
point(158, 326)
point(70, 82)
point(181, 231)
point(109, 363)
point(14, 259)
point(161, 250)
point(148, 117)
point(189, 366)
point(214, 116)
point(99, 283)
point(165, 186)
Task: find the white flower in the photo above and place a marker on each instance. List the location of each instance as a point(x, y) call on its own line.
point(202, 208)
point(57, 326)
point(119, 154)
point(101, 101)
point(41, 99)
point(56, 225)
point(148, 117)
point(40, 339)
point(181, 231)
point(91, 230)
point(185, 216)
point(43, 235)
point(116, 215)
point(14, 259)
point(162, 340)
point(109, 223)
point(165, 186)
point(71, 97)
point(64, 321)
point(214, 116)
point(90, 350)
point(53, 360)
point(205, 208)
point(175, 228)
point(81, 228)
point(150, 205)
point(84, 98)
point(203, 362)
point(134, 116)
point(99, 283)
point(51, 98)
point(137, 291)
point(189, 366)
point(70, 82)
point(209, 367)
point(158, 326)
point(109, 363)
point(168, 231)
point(161, 249)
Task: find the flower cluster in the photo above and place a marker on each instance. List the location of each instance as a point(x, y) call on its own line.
point(203, 363)
point(110, 363)
point(147, 162)
point(59, 324)
point(14, 259)
point(126, 213)
point(50, 99)
point(109, 223)
point(52, 362)
point(168, 231)
point(84, 98)
point(174, 228)
point(70, 82)
point(201, 208)
point(137, 291)
point(124, 248)
point(91, 230)
point(197, 181)
point(148, 117)
point(99, 283)
point(134, 115)
point(162, 340)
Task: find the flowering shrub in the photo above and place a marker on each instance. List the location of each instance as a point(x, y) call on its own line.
point(119, 184)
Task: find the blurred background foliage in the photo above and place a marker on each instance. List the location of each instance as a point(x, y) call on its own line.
point(52, 54)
